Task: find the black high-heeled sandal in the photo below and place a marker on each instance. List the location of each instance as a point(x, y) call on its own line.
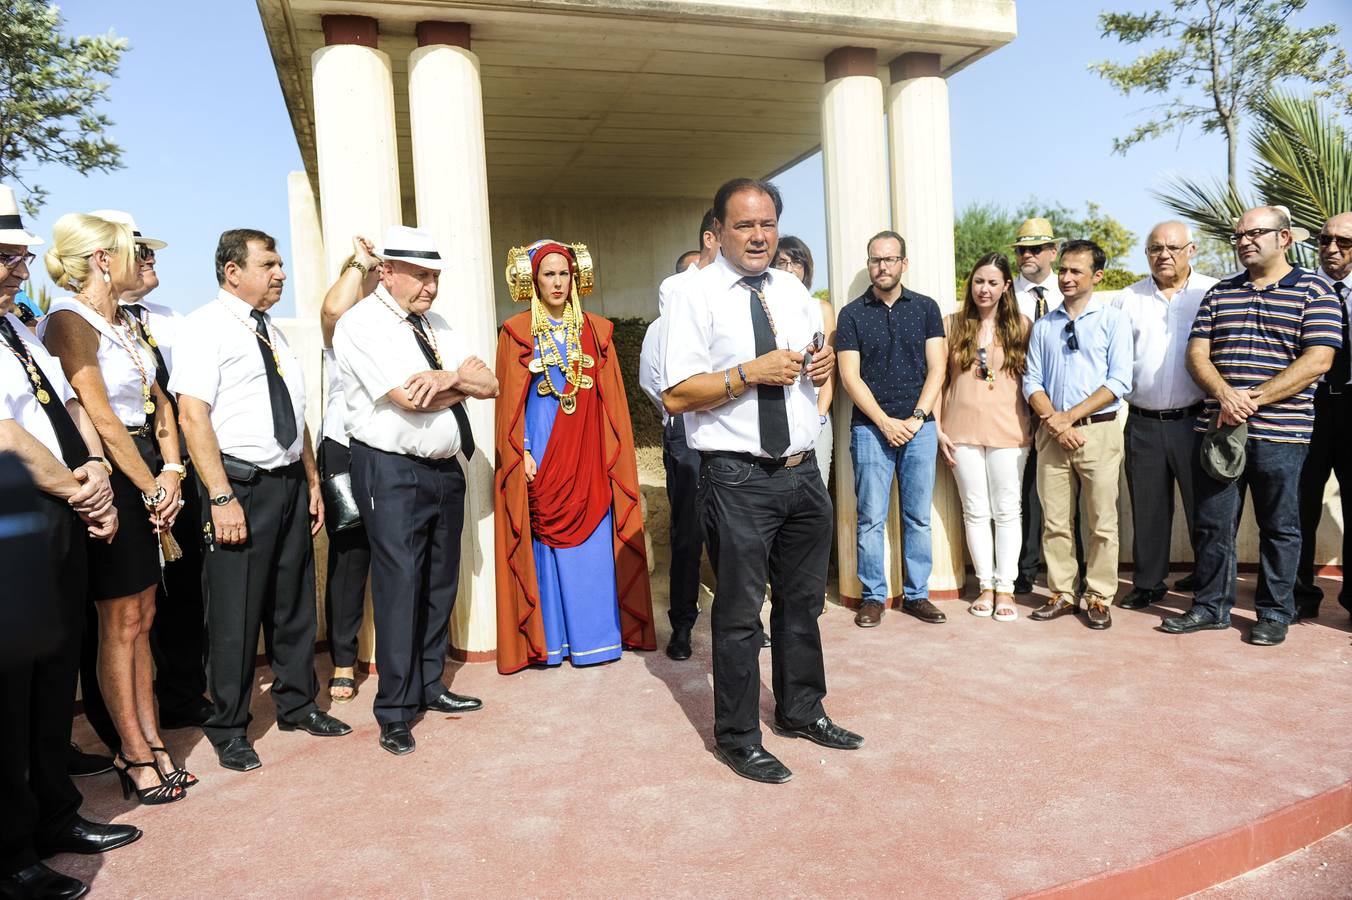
point(177, 775)
point(164, 792)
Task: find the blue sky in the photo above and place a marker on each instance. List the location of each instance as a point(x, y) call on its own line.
point(207, 142)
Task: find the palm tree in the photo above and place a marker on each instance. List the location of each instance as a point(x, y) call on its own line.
point(1303, 161)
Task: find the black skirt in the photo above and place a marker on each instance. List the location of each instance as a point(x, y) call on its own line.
point(131, 563)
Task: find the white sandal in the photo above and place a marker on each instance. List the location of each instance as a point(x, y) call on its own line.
point(1005, 611)
point(978, 609)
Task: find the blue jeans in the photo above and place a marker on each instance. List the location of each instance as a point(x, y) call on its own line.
point(875, 464)
point(1272, 476)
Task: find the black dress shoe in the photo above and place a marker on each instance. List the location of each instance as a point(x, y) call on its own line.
point(1267, 633)
point(765, 639)
point(81, 764)
point(318, 723)
point(84, 836)
point(1023, 585)
point(194, 715)
point(869, 614)
point(754, 762)
point(37, 882)
point(924, 610)
point(1140, 598)
point(1192, 620)
point(238, 754)
point(1187, 584)
point(396, 738)
point(678, 648)
point(449, 702)
point(823, 731)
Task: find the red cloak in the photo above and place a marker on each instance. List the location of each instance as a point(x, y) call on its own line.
point(572, 502)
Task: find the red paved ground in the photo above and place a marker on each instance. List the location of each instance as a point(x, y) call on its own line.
point(1001, 758)
point(1321, 871)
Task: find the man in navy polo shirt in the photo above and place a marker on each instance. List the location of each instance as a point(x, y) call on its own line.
point(891, 350)
point(1260, 340)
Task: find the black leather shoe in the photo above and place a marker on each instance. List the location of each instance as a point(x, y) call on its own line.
point(754, 762)
point(1023, 585)
point(923, 610)
point(1307, 611)
point(194, 715)
point(823, 731)
point(450, 702)
point(238, 754)
point(678, 648)
point(84, 836)
point(870, 614)
point(1192, 620)
point(37, 882)
point(81, 764)
point(1267, 633)
point(1187, 584)
point(765, 639)
point(318, 723)
point(1140, 598)
point(396, 738)
point(1059, 605)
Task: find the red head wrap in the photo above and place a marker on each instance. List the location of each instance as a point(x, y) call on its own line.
point(543, 249)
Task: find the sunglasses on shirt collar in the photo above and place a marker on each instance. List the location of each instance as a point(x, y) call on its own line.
point(1071, 340)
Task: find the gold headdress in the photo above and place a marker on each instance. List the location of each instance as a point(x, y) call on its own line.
point(522, 265)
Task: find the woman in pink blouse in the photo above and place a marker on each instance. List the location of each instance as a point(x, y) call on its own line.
point(985, 428)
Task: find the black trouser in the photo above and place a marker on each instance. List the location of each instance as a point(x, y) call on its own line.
point(37, 799)
point(269, 580)
point(1159, 453)
point(415, 512)
point(178, 633)
point(1330, 454)
point(765, 523)
point(348, 564)
point(687, 539)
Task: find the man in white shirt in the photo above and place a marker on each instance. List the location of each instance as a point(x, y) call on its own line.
point(1037, 293)
point(405, 381)
point(1331, 441)
point(1164, 403)
point(241, 404)
point(681, 462)
point(734, 342)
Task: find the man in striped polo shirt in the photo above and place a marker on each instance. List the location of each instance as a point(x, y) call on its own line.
point(1260, 340)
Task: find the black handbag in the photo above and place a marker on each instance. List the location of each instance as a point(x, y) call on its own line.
point(340, 504)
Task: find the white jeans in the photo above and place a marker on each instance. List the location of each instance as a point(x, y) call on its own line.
point(989, 482)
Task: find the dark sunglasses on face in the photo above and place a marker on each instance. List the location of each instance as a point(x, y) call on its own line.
point(18, 259)
point(1071, 340)
point(1326, 239)
point(1020, 251)
point(144, 253)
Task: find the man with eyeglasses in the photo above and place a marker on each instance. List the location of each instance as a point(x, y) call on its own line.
point(1163, 403)
point(1260, 340)
point(893, 353)
point(1331, 438)
point(1079, 369)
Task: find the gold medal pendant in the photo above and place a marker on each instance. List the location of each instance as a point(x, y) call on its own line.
point(537, 365)
point(542, 389)
point(149, 407)
point(43, 397)
point(569, 403)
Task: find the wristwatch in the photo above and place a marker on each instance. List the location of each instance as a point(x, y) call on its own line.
point(919, 413)
point(222, 499)
point(107, 466)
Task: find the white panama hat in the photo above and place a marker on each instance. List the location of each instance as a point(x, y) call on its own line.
point(413, 246)
point(11, 225)
point(124, 218)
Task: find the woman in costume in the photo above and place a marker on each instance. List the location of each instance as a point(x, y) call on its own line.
point(572, 573)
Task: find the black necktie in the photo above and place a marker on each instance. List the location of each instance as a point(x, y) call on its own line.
point(771, 402)
point(161, 369)
point(283, 413)
point(1341, 370)
point(1040, 308)
point(74, 450)
point(458, 410)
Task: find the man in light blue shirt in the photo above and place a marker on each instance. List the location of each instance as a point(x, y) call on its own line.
point(1079, 368)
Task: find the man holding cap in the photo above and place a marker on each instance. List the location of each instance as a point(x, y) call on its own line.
point(405, 382)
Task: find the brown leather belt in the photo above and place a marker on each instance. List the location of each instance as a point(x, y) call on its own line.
point(1101, 417)
point(783, 462)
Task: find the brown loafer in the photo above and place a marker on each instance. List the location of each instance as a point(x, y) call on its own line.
point(924, 610)
point(1060, 604)
point(1096, 610)
point(868, 615)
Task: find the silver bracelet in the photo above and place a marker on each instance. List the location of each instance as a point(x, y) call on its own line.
point(152, 502)
point(727, 385)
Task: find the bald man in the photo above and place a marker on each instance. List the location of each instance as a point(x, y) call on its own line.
point(1164, 403)
point(1331, 442)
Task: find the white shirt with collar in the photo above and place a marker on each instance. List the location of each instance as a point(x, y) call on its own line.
point(1027, 300)
point(1159, 329)
point(17, 400)
point(219, 363)
point(122, 378)
point(1346, 282)
point(163, 323)
point(650, 358)
point(377, 352)
point(708, 329)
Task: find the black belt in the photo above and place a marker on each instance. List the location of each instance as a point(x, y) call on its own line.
point(1091, 420)
point(783, 462)
point(1169, 415)
point(449, 462)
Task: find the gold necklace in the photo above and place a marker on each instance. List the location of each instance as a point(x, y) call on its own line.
point(425, 336)
point(259, 334)
point(572, 361)
point(26, 360)
point(129, 344)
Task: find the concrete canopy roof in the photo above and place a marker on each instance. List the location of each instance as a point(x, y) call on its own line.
point(641, 98)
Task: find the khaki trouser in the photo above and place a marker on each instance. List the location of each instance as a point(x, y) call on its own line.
point(1096, 467)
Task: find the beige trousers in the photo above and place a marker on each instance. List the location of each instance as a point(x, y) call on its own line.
point(1096, 468)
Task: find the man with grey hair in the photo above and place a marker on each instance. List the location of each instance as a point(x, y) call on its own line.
point(1260, 340)
point(1163, 403)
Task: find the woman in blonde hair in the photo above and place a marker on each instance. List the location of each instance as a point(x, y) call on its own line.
point(572, 571)
point(113, 373)
point(985, 428)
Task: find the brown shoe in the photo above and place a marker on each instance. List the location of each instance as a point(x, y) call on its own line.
point(1058, 605)
point(868, 615)
point(924, 610)
point(1096, 608)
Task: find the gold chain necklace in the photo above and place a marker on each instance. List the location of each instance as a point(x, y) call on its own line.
point(424, 336)
point(26, 360)
point(129, 344)
point(572, 361)
point(259, 334)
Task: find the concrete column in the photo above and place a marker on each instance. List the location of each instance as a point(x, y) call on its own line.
point(854, 171)
point(354, 138)
point(451, 180)
point(922, 212)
